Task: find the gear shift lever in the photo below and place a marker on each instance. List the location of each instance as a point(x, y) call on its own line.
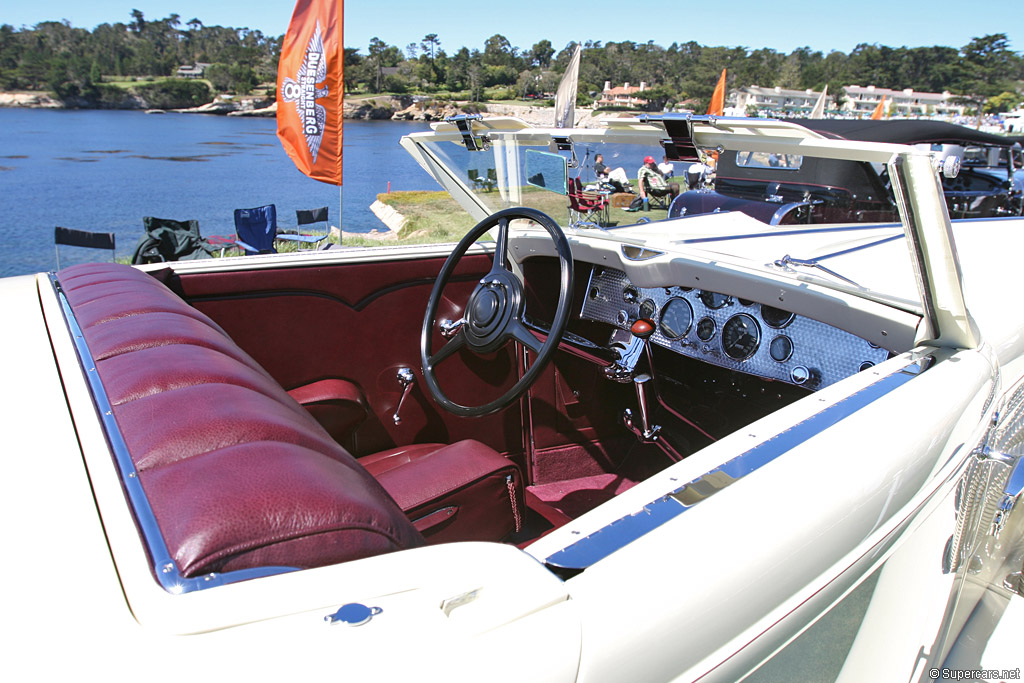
point(642, 329)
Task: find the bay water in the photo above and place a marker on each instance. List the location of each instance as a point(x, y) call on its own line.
point(104, 170)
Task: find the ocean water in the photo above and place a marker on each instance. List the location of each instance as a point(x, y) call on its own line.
point(104, 170)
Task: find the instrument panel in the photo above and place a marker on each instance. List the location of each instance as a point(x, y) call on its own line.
point(734, 333)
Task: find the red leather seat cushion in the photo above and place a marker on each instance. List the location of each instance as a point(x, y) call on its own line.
point(465, 491)
point(238, 475)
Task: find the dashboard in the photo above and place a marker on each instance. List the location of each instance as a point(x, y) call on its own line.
point(734, 333)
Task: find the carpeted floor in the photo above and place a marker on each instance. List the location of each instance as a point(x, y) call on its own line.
point(573, 497)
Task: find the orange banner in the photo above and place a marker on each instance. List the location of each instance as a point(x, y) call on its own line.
point(879, 110)
point(717, 106)
point(310, 88)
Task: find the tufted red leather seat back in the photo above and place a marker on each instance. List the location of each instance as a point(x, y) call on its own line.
point(237, 473)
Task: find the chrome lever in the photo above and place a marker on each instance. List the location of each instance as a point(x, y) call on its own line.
point(450, 328)
point(407, 379)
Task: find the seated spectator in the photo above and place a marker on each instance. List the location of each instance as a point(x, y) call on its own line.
point(616, 179)
point(650, 179)
point(666, 168)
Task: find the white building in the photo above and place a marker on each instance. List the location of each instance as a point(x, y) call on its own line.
point(902, 103)
point(773, 100)
point(622, 96)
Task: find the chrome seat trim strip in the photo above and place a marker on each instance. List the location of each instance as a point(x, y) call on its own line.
point(605, 541)
point(165, 569)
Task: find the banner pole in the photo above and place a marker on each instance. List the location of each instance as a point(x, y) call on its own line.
point(341, 215)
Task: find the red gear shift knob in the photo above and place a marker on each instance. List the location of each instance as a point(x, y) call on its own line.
point(642, 328)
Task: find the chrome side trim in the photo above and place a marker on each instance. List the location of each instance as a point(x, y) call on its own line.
point(164, 567)
point(605, 541)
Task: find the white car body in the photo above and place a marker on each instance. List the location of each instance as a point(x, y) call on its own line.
point(874, 494)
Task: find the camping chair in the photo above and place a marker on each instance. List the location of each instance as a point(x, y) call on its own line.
point(308, 217)
point(487, 184)
point(256, 229)
point(658, 198)
point(586, 206)
point(82, 238)
point(170, 240)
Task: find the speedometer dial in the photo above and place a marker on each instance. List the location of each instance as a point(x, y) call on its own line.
point(676, 318)
point(740, 337)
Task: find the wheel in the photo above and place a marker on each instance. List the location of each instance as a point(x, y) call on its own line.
point(493, 315)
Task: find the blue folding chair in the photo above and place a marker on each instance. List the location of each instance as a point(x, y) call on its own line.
point(256, 229)
point(308, 217)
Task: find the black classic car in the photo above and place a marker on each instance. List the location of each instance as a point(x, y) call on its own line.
point(982, 176)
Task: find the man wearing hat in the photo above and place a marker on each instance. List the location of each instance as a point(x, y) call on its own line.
point(652, 181)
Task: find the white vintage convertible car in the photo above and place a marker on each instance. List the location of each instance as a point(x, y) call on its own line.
point(699, 448)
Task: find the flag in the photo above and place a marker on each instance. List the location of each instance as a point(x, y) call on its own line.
point(717, 106)
point(310, 88)
point(819, 107)
point(565, 98)
point(878, 110)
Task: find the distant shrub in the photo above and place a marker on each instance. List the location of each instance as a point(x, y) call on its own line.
point(175, 94)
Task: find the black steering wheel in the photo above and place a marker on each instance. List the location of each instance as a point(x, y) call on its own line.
point(493, 316)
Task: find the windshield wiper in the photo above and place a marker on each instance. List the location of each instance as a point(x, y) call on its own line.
point(787, 262)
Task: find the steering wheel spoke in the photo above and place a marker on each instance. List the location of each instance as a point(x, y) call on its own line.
point(494, 312)
point(452, 346)
point(501, 247)
point(522, 334)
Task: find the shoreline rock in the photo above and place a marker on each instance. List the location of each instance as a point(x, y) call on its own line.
point(381, 108)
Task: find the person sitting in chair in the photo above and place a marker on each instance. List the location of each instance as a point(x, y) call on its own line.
point(617, 179)
point(652, 183)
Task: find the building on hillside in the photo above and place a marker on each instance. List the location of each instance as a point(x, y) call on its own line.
point(622, 96)
point(196, 70)
point(903, 103)
point(773, 101)
point(856, 101)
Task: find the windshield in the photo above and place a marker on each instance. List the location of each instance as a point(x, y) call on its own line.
point(809, 222)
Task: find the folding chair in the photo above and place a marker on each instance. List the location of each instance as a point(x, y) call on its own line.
point(82, 238)
point(658, 198)
point(256, 229)
point(586, 206)
point(170, 240)
point(487, 184)
point(308, 217)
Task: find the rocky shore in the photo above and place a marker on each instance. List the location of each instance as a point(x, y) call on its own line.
point(382, 107)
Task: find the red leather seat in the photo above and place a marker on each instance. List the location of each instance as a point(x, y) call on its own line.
point(465, 491)
point(239, 475)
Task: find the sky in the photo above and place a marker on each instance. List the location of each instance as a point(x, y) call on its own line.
point(783, 25)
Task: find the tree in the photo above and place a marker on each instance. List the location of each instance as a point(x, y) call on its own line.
point(991, 65)
point(541, 53)
point(377, 49)
point(138, 22)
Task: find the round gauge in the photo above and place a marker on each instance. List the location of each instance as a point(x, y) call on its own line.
point(775, 317)
point(866, 365)
point(676, 318)
point(781, 348)
point(630, 295)
point(705, 329)
point(740, 336)
point(713, 300)
point(745, 302)
point(647, 309)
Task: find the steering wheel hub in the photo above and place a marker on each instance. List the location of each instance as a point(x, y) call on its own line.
point(492, 306)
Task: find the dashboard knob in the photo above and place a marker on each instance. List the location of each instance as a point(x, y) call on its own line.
point(642, 328)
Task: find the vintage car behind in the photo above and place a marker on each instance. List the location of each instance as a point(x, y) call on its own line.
point(985, 181)
point(700, 448)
